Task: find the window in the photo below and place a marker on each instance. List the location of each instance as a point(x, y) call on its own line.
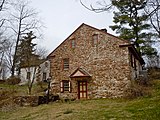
point(28, 75)
point(44, 76)
point(65, 86)
point(94, 39)
point(65, 64)
point(131, 60)
point(73, 43)
point(135, 66)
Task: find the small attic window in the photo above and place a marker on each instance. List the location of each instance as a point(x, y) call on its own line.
point(94, 39)
point(73, 43)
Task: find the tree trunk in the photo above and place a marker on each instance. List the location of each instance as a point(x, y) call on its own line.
point(31, 81)
point(29, 89)
point(16, 47)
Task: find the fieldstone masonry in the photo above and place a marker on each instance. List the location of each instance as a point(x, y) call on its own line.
point(106, 62)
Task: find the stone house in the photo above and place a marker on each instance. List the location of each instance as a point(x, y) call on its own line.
point(38, 72)
point(92, 63)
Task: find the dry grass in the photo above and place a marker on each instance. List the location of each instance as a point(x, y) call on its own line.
point(154, 73)
point(18, 90)
point(142, 108)
point(103, 109)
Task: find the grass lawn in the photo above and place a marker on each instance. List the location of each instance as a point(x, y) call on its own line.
point(143, 108)
point(22, 90)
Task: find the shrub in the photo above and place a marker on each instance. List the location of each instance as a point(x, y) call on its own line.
point(4, 94)
point(13, 80)
point(154, 73)
point(137, 90)
point(2, 81)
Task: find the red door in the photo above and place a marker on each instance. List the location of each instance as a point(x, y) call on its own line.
point(82, 90)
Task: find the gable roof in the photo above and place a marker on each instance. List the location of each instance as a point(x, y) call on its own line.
point(83, 24)
point(79, 72)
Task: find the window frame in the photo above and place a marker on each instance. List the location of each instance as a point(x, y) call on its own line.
point(63, 87)
point(28, 76)
point(135, 64)
point(65, 64)
point(44, 74)
point(94, 40)
point(131, 60)
point(73, 43)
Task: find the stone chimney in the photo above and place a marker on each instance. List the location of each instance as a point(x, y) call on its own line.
point(104, 30)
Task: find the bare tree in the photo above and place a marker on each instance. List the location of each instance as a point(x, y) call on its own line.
point(2, 4)
point(42, 52)
point(153, 11)
point(23, 19)
point(8, 58)
point(2, 53)
point(5, 46)
point(153, 61)
point(98, 5)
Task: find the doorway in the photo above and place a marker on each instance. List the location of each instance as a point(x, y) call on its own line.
point(82, 89)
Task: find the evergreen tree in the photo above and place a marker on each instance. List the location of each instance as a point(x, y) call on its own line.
point(26, 51)
point(27, 58)
point(132, 24)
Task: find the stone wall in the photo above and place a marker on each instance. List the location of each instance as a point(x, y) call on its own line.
point(106, 62)
point(26, 100)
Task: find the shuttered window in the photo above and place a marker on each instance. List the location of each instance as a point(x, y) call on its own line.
point(65, 86)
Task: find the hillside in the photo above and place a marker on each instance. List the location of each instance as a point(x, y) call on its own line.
point(142, 108)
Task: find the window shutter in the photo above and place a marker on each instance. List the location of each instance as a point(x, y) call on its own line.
point(61, 86)
point(69, 86)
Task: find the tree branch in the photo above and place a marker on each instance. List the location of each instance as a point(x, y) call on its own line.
point(98, 10)
point(1, 5)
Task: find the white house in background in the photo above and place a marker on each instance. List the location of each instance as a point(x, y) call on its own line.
point(44, 70)
point(37, 72)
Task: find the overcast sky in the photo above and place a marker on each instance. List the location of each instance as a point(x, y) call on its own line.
point(62, 17)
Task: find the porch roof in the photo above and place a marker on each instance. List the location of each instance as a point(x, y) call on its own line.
point(79, 72)
point(133, 50)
